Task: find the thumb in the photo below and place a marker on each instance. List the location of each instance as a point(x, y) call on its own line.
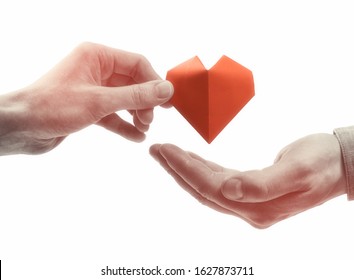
point(261, 185)
point(137, 96)
point(147, 95)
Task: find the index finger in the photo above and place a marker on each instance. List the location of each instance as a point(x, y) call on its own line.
point(155, 153)
point(199, 175)
point(132, 65)
point(107, 63)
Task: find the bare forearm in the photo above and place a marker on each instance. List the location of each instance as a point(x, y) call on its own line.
point(12, 111)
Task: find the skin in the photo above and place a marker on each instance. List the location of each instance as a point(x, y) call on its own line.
point(95, 82)
point(87, 87)
point(305, 174)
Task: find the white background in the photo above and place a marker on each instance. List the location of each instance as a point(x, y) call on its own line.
point(99, 197)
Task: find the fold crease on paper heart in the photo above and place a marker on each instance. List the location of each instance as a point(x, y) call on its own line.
point(210, 99)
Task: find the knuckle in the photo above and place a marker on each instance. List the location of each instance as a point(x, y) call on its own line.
point(141, 63)
point(262, 221)
point(85, 47)
point(87, 51)
point(139, 93)
point(142, 59)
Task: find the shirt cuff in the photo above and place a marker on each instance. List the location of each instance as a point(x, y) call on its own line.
point(345, 136)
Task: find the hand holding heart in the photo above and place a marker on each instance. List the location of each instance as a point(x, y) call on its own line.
point(88, 87)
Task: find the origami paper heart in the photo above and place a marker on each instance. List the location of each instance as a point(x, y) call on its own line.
point(209, 100)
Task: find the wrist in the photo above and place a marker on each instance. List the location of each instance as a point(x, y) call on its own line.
point(11, 124)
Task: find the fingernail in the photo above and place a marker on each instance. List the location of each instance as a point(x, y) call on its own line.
point(232, 189)
point(165, 90)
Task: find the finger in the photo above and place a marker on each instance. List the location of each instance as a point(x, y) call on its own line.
point(212, 165)
point(145, 116)
point(139, 124)
point(117, 125)
point(196, 173)
point(133, 65)
point(202, 178)
point(135, 97)
point(263, 185)
point(142, 118)
point(117, 81)
point(155, 153)
point(166, 105)
point(118, 62)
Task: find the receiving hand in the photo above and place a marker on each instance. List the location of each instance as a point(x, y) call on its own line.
point(87, 87)
point(305, 174)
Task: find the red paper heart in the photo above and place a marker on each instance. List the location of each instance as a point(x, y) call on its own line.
point(209, 100)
